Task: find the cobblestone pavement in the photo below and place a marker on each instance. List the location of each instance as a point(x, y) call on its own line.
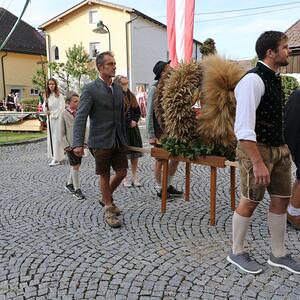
point(53, 246)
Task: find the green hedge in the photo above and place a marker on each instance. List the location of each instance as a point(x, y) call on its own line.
point(289, 84)
point(30, 104)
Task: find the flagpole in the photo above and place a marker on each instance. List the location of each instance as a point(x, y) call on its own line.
point(49, 126)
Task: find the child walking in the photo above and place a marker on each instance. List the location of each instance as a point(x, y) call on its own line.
point(66, 136)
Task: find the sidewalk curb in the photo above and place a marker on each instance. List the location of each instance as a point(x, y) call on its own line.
point(23, 142)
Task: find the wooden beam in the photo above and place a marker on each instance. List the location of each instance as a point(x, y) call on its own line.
point(213, 191)
point(187, 181)
point(230, 163)
point(138, 149)
point(165, 169)
point(212, 161)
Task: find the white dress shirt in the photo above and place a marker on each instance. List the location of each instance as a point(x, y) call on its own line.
point(248, 94)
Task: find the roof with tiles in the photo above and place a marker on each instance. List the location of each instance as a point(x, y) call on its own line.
point(25, 38)
point(294, 35)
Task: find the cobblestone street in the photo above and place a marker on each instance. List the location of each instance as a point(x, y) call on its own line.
point(53, 246)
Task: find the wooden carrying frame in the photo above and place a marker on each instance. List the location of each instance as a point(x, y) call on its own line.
point(213, 162)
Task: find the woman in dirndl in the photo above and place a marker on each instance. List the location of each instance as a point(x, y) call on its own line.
point(132, 116)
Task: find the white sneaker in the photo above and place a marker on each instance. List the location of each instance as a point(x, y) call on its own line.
point(54, 163)
point(127, 183)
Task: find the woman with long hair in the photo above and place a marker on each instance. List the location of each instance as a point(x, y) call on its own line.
point(53, 106)
point(132, 116)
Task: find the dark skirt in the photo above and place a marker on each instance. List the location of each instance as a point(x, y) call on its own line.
point(134, 139)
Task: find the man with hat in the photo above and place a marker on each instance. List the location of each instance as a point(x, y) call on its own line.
point(155, 131)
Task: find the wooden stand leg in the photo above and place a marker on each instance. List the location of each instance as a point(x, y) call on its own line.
point(232, 188)
point(165, 167)
point(213, 185)
point(187, 181)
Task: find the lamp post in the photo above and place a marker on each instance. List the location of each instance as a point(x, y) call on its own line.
point(103, 29)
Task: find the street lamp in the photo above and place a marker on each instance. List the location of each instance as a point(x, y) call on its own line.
point(103, 29)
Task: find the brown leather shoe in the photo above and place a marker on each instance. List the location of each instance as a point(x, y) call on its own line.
point(294, 221)
point(111, 219)
point(115, 208)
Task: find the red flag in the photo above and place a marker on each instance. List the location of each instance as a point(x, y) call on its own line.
point(180, 28)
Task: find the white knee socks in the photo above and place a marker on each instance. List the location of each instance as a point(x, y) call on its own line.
point(70, 180)
point(277, 227)
point(76, 180)
point(239, 230)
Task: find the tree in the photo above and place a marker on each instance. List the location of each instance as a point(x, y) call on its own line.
point(39, 80)
point(78, 63)
point(78, 68)
point(289, 84)
point(208, 47)
point(254, 61)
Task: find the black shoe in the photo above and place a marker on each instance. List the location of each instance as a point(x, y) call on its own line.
point(170, 197)
point(173, 192)
point(70, 188)
point(159, 194)
point(78, 195)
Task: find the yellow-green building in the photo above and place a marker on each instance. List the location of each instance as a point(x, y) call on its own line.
point(137, 40)
point(20, 57)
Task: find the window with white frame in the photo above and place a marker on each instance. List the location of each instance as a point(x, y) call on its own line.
point(34, 92)
point(54, 53)
point(94, 49)
point(93, 17)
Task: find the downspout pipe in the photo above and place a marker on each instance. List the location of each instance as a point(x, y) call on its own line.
point(127, 49)
point(48, 43)
point(3, 74)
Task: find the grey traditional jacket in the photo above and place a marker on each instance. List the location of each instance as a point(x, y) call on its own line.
point(66, 129)
point(104, 106)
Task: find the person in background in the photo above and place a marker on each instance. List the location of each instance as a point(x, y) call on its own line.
point(132, 117)
point(2, 105)
point(292, 138)
point(17, 102)
point(17, 99)
point(155, 131)
point(53, 107)
point(41, 98)
point(141, 97)
point(10, 104)
point(66, 122)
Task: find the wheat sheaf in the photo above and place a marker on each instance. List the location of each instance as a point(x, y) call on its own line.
point(180, 91)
